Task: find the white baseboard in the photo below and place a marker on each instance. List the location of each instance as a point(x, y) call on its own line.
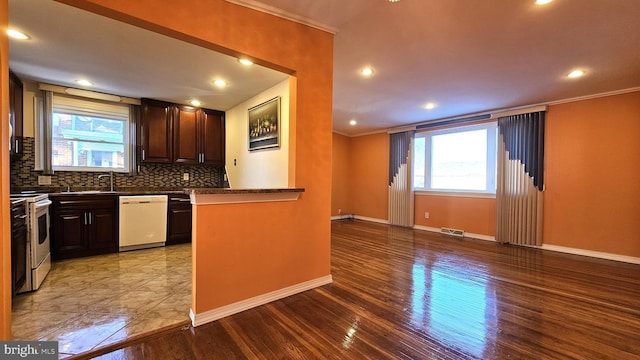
point(595, 254)
point(466, 234)
point(364, 218)
point(218, 313)
point(568, 250)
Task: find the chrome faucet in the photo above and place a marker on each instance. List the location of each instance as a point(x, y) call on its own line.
point(110, 175)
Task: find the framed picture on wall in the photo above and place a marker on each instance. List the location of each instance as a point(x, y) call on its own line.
point(264, 125)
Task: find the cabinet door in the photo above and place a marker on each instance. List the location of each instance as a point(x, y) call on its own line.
point(185, 132)
point(69, 234)
point(212, 137)
point(102, 230)
point(19, 257)
point(15, 113)
point(156, 122)
point(179, 225)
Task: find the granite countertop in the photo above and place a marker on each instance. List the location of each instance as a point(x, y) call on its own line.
point(124, 191)
point(226, 191)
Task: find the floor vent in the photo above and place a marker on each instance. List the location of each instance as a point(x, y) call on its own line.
point(452, 232)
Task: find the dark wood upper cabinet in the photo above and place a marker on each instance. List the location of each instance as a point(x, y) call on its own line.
point(185, 133)
point(181, 134)
point(212, 137)
point(15, 113)
point(156, 131)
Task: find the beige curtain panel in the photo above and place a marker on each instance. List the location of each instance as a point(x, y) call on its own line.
point(519, 193)
point(401, 201)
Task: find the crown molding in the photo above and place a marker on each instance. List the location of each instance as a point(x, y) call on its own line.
point(268, 9)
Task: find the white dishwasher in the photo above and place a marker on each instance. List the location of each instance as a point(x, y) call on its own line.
point(143, 221)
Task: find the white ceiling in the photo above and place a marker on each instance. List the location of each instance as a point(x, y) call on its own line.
point(68, 44)
point(467, 56)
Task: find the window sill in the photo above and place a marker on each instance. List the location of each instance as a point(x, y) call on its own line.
point(469, 194)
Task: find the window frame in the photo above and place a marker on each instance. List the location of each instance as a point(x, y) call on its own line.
point(491, 164)
point(93, 108)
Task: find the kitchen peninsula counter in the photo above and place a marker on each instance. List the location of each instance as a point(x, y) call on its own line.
point(204, 196)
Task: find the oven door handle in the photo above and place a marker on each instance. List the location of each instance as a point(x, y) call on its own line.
point(41, 204)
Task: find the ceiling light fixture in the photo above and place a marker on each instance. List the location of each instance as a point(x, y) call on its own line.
point(430, 106)
point(353, 122)
point(246, 62)
point(576, 74)
point(84, 82)
point(195, 102)
point(19, 35)
point(367, 71)
point(543, 2)
point(220, 83)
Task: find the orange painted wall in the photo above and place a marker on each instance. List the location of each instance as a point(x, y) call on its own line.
point(287, 242)
point(592, 195)
point(5, 236)
point(369, 174)
point(473, 215)
point(252, 250)
point(340, 174)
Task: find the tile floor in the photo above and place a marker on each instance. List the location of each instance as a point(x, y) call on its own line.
point(96, 301)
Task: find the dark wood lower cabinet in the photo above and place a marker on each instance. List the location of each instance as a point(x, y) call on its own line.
point(18, 246)
point(178, 220)
point(83, 226)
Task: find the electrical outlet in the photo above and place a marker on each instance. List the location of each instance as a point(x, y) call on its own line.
point(44, 180)
point(185, 176)
point(426, 215)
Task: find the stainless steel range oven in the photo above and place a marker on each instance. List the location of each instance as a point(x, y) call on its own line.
point(38, 246)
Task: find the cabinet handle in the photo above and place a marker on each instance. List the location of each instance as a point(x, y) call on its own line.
point(17, 146)
point(85, 219)
point(142, 154)
point(203, 158)
point(89, 218)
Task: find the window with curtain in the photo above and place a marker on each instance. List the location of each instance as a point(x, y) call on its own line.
point(89, 135)
point(461, 159)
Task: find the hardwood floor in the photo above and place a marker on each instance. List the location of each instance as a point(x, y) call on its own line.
point(408, 294)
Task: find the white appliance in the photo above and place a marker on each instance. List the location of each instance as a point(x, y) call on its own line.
point(143, 221)
point(38, 245)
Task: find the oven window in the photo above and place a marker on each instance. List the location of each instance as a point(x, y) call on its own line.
point(42, 228)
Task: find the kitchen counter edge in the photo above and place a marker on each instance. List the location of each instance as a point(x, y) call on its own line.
point(225, 191)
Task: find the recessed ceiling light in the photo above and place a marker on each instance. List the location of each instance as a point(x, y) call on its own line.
point(353, 122)
point(246, 62)
point(576, 73)
point(15, 34)
point(394, 0)
point(367, 71)
point(84, 82)
point(195, 102)
point(543, 2)
point(430, 106)
point(220, 83)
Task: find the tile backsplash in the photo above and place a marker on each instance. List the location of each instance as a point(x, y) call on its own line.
point(150, 176)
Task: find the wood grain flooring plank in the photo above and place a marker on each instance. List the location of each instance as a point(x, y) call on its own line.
point(407, 294)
